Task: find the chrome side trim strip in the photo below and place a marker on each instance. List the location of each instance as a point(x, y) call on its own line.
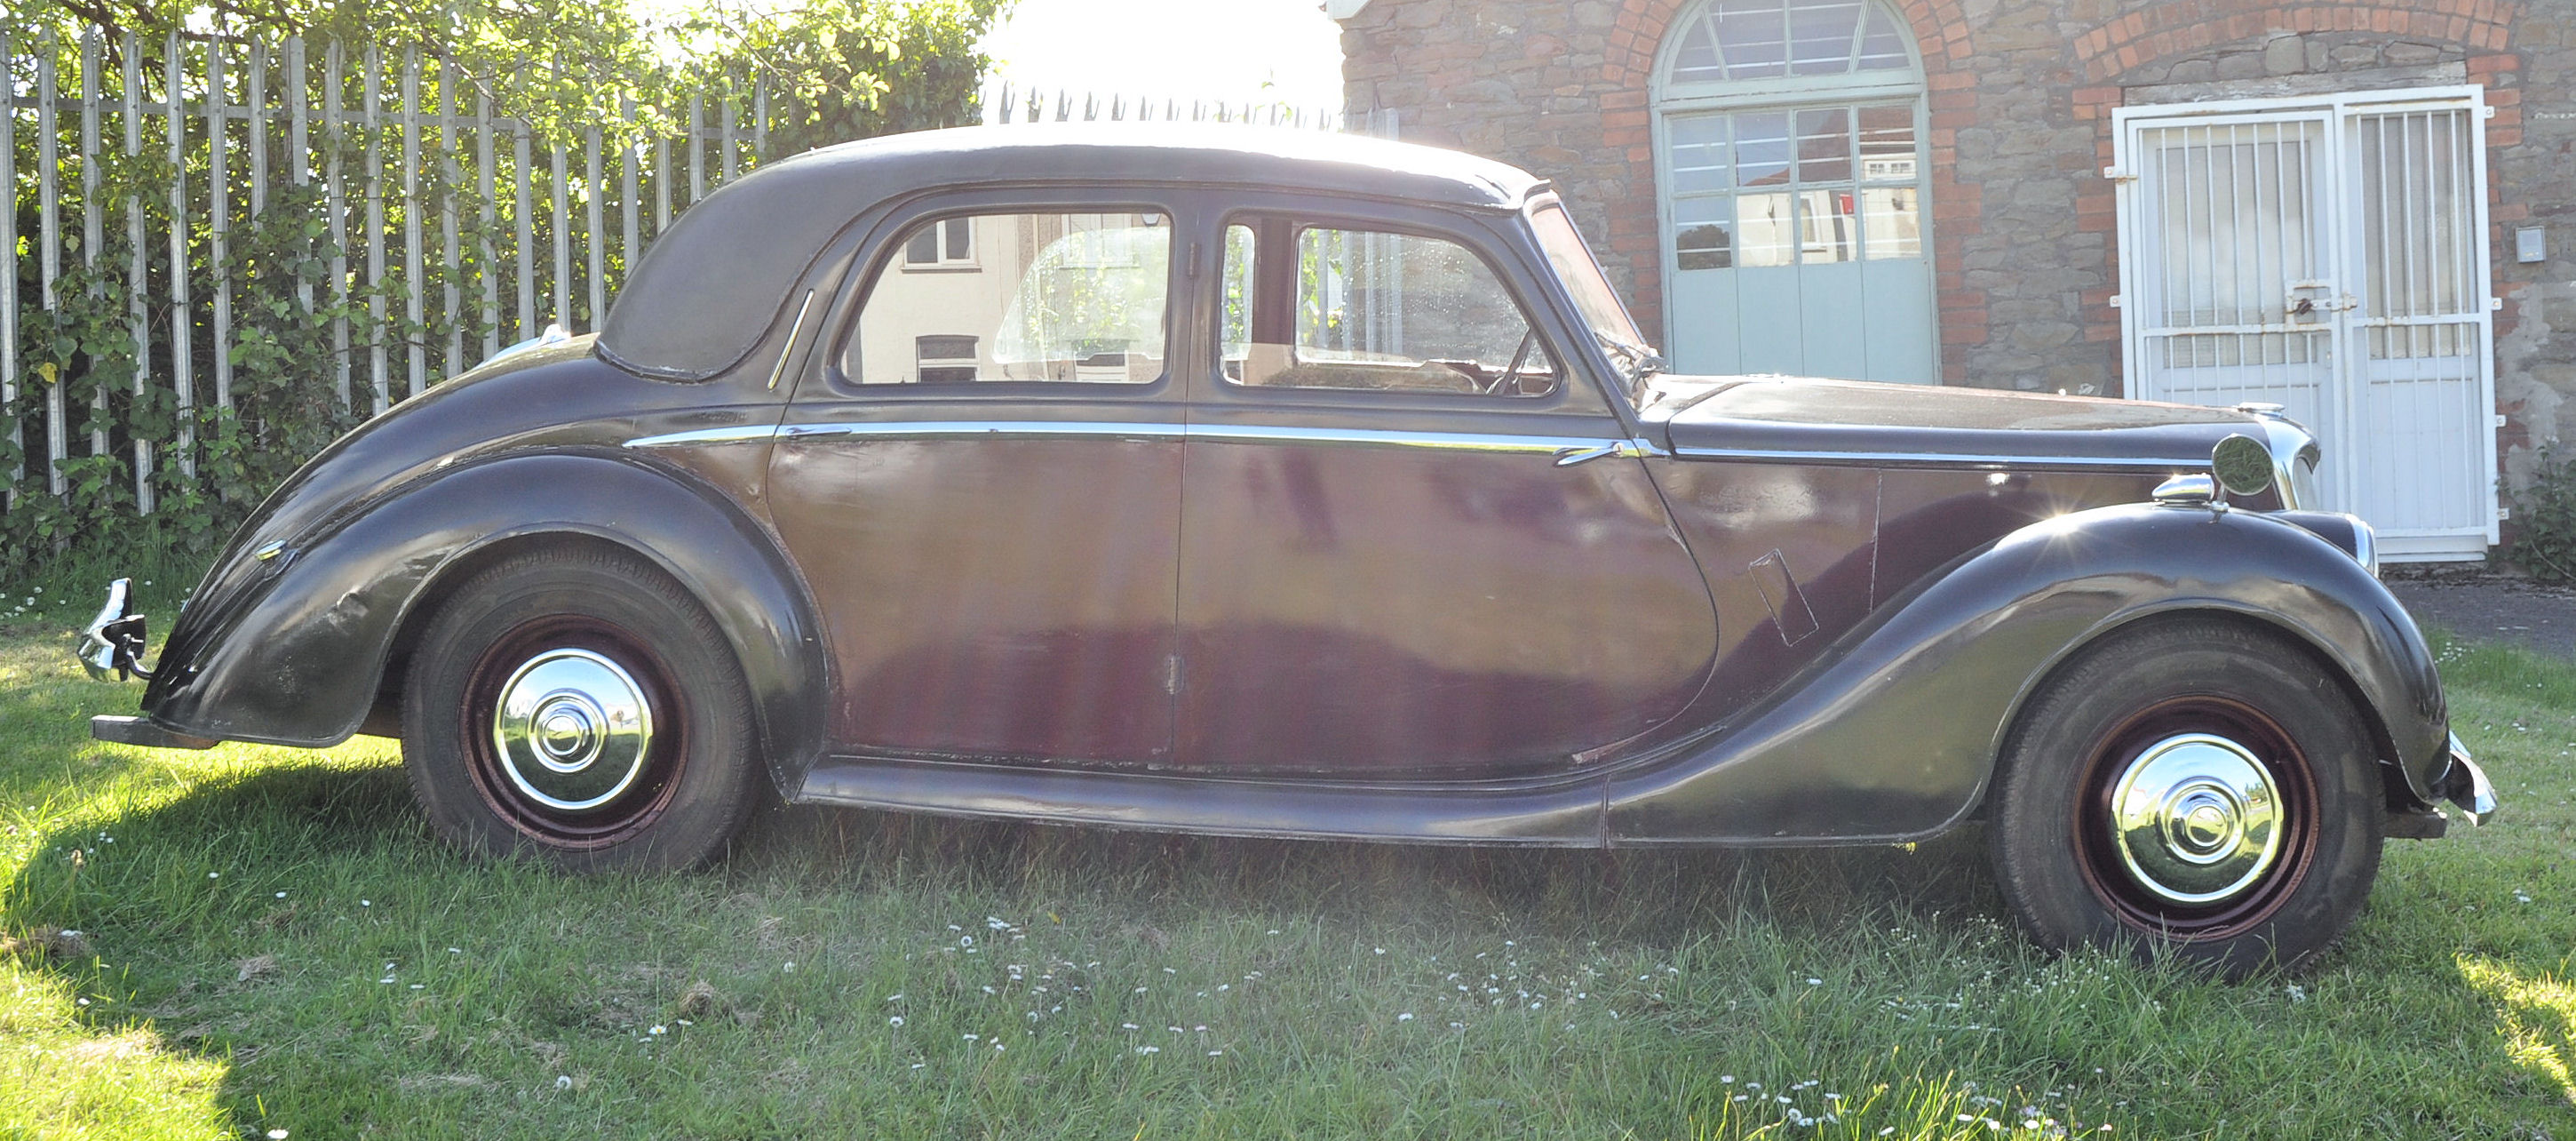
point(1370, 438)
point(1077, 429)
point(947, 429)
point(731, 435)
point(1946, 459)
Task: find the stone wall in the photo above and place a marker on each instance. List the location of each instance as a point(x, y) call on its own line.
point(2020, 98)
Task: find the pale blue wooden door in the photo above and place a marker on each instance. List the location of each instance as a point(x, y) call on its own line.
point(1796, 229)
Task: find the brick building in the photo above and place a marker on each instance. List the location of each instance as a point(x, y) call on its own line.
point(2344, 208)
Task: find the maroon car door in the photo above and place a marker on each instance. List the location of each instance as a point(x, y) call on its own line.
point(1412, 543)
point(981, 486)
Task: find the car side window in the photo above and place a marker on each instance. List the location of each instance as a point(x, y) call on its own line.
point(1018, 297)
point(1320, 307)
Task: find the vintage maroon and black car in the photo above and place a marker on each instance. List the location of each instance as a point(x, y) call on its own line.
point(1311, 486)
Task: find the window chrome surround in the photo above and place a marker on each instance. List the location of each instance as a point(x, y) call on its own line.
point(1581, 447)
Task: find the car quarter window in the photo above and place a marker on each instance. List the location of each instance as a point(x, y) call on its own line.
point(1314, 306)
point(1037, 296)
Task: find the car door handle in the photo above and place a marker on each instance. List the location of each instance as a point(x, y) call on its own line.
point(1568, 457)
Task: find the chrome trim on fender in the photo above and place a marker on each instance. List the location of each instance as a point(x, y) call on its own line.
point(1945, 459)
point(733, 435)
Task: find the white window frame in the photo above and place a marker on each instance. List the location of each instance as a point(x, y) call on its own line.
point(939, 247)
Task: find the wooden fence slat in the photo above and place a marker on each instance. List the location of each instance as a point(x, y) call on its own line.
point(630, 244)
point(563, 244)
point(521, 175)
point(661, 185)
point(697, 164)
point(9, 281)
point(451, 137)
point(379, 379)
point(491, 268)
point(49, 234)
point(93, 216)
point(591, 204)
point(335, 192)
point(137, 270)
point(258, 128)
point(298, 165)
point(218, 218)
point(725, 136)
point(416, 350)
point(182, 381)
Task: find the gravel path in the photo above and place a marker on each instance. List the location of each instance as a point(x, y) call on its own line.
point(2484, 604)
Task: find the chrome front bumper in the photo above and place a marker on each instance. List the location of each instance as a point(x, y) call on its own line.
point(2466, 786)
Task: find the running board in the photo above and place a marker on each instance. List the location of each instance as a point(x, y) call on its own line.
point(1562, 812)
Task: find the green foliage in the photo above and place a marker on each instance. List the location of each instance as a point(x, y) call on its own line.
point(2544, 519)
point(851, 69)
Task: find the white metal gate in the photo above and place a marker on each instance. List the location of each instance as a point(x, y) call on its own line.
point(2328, 255)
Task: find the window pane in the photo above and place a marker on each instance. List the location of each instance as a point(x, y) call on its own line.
point(1891, 218)
point(1821, 34)
point(1824, 145)
point(1762, 148)
point(1394, 312)
point(1753, 38)
point(1887, 144)
point(1234, 334)
point(1698, 150)
point(1827, 230)
point(1880, 47)
point(1057, 297)
point(1766, 233)
point(1703, 233)
point(1697, 61)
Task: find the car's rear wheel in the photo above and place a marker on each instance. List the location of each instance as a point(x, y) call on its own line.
point(2194, 784)
point(576, 705)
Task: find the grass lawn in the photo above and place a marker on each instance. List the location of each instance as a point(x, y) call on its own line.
point(270, 944)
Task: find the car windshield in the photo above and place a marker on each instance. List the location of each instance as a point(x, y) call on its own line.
point(1601, 309)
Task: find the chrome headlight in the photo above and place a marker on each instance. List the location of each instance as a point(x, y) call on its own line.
point(2294, 457)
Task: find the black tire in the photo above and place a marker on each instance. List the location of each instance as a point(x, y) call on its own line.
point(2157, 726)
point(633, 726)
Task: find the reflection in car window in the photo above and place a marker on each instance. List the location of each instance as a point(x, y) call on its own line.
point(1028, 297)
point(1373, 310)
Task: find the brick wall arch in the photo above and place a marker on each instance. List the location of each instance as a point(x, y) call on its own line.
point(2184, 27)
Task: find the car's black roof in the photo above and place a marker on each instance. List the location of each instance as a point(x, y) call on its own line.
point(710, 287)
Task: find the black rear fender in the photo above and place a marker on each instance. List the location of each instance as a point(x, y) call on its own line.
point(301, 658)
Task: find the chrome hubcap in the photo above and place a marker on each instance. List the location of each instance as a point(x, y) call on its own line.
point(2196, 818)
point(572, 728)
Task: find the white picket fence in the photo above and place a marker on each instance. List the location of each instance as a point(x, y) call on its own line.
point(1009, 103)
point(230, 113)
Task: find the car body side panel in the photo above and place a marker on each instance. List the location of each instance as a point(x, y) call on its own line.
point(1894, 734)
point(324, 621)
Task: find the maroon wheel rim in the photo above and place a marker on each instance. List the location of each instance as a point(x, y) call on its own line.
point(633, 805)
point(2112, 877)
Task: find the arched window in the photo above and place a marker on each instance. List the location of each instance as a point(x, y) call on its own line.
point(1792, 179)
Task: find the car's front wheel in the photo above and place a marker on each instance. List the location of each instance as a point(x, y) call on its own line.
point(576, 705)
point(2195, 784)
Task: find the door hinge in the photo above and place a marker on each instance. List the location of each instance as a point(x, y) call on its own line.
point(2117, 300)
point(2499, 419)
point(1172, 674)
point(2504, 515)
point(2118, 174)
point(2495, 305)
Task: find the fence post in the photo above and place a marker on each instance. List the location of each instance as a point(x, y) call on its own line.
point(49, 234)
point(137, 269)
point(182, 382)
point(9, 280)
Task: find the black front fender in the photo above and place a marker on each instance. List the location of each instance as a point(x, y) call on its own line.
point(1894, 735)
point(298, 658)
